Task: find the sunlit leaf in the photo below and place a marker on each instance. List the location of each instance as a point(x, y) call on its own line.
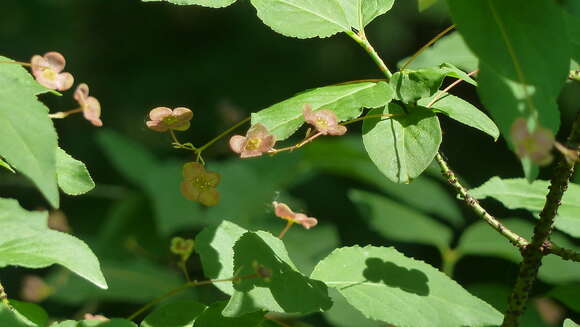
point(213, 317)
point(346, 100)
point(11, 211)
point(205, 3)
point(402, 147)
point(72, 175)
point(28, 140)
point(570, 323)
point(404, 291)
point(322, 18)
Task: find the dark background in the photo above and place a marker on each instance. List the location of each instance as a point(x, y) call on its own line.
point(223, 64)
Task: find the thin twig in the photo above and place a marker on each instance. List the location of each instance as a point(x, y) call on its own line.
point(364, 43)
point(286, 228)
point(428, 44)
point(535, 251)
point(224, 133)
point(64, 114)
point(445, 90)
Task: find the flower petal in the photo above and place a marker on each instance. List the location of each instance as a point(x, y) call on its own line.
point(156, 125)
point(55, 61)
point(337, 130)
point(64, 81)
point(92, 111)
point(189, 191)
point(159, 113)
point(180, 126)
point(283, 211)
point(192, 170)
point(212, 178)
point(210, 197)
point(305, 221)
point(182, 114)
point(237, 143)
point(81, 93)
point(519, 130)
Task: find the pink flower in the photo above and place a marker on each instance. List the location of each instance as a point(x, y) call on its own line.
point(47, 71)
point(283, 211)
point(324, 120)
point(90, 105)
point(536, 145)
point(199, 185)
point(34, 289)
point(164, 119)
point(90, 316)
point(257, 141)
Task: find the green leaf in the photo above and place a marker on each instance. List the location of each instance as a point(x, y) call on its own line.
point(11, 211)
point(520, 37)
point(449, 49)
point(13, 319)
point(287, 290)
point(452, 71)
point(32, 247)
point(426, 4)
point(346, 100)
point(570, 323)
point(72, 175)
point(6, 165)
point(33, 312)
point(464, 112)
point(124, 278)
point(215, 246)
point(175, 314)
point(342, 314)
point(402, 147)
point(385, 217)
point(346, 156)
point(311, 18)
point(212, 317)
point(205, 3)
point(387, 286)
point(412, 85)
point(567, 294)
point(573, 26)
point(115, 322)
point(28, 140)
point(517, 193)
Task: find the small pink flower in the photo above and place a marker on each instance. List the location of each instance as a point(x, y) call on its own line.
point(536, 145)
point(199, 185)
point(164, 119)
point(90, 105)
point(47, 71)
point(34, 289)
point(256, 142)
point(283, 211)
point(324, 120)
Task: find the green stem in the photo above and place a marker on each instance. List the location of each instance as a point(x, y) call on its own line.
point(182, 288)
point(449, 258)
point(566, 254)
point(365, 44)
point(286, 228)
point(4, 296)
point(224, 133)
point(368, 117)
point(535, 251)
point(64, 114)
point(427, 45)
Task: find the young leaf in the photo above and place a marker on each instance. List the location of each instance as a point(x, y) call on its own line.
point(385, 217)
point(464, 112)
point(12, 318)
point(72, 175)
point(517, 193)
point(346, 100)
point(342, 314)
point(205, 3)
point(28, 140)
point(404, 291)
point(175, 314)
point(322, 18)
point(403, 146)
point(215, 246)
point(520, 37)
point(286, 290)
point(412, 85)
point(570, 323)
point(212, 317)
point(449, 49)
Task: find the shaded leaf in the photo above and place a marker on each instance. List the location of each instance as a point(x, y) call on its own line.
point(72, 175)
point(346, 100)
point(517, 193)
point(570, 323)
point(567, 294)
point(402, 147)
point(404, 291)
point(287, 290)
point(28, 141)
point(412, 85)
point(175, 314)
point(13, 319)
point(342, 314)
point(426, 4)
point(464, 112)
point(385, 217)
point(322, 18)
point(212, 317)
point(33, 312)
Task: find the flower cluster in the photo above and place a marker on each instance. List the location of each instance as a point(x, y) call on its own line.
point(199, 185)
point(536, 145)
point(283, 211)
point(163, 119)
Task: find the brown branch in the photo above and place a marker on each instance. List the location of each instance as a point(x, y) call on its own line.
point(535, 251)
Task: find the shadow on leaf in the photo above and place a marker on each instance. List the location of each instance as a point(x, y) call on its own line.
point(411, 281)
